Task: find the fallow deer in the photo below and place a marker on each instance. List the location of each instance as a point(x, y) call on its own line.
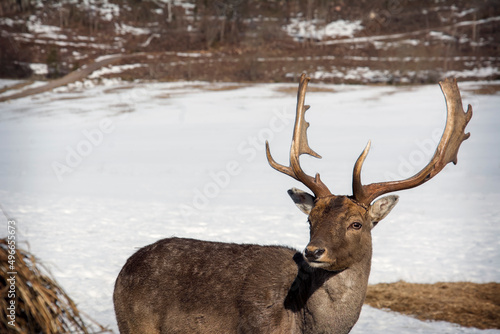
point(190, 286)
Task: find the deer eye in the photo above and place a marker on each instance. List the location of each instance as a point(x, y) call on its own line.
point(356, 226)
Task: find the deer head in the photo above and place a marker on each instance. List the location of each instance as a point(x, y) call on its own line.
point(340, 226)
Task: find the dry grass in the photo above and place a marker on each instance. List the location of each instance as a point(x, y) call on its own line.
point(41, 305)
point(463, 303)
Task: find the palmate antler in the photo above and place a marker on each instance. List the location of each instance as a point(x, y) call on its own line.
point(446, 151)
point(300, 146)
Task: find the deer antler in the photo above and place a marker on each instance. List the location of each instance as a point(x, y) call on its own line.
point(446, 151)
point(300, 146)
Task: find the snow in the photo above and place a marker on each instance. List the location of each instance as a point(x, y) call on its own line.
point(39, 69)
point(101, 58)
point(342, 28)
point(314, 29)
point(124, 29)
point(105, 9)
point(113, 69)
point(10, 22)
point(148, 41)
point(93, 174)
point(7, 83)
point(404, 37)
point(442, 36)
point(364, 74)
point(30, 38)
point(482, 72)
point(108, 11)
point(4, 83)
point(193, 54)
point(34, 25)
point(476, 22)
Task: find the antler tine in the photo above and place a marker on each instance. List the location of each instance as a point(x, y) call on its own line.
point(446, 152)
point(300, 146)
point(357, 187)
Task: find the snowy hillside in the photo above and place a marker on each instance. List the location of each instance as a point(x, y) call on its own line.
point(378, 41)
point(95, 172)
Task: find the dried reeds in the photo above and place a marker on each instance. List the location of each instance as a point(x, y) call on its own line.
point(41, 305)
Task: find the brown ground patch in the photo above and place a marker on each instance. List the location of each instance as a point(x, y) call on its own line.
point(163, 96)
point(487, 89)
point(466, 304)
point(310, 89)
point(16, 86)
point(216, 88)
point(119, 88)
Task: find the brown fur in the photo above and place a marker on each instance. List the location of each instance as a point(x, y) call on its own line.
point(192, 286)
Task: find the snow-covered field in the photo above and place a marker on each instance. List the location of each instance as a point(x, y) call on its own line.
point(94, 173)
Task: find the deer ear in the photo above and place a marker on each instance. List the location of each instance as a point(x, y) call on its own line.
point(381, 208)
point(303, 200)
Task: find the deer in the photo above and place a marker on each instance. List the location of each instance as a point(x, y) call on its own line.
point(181, 285)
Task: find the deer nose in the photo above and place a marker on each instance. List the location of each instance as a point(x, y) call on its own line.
point(313, 253)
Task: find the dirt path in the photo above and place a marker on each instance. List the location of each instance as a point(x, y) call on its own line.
point(79, 74)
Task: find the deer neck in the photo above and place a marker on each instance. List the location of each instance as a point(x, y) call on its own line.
point(328, 302)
